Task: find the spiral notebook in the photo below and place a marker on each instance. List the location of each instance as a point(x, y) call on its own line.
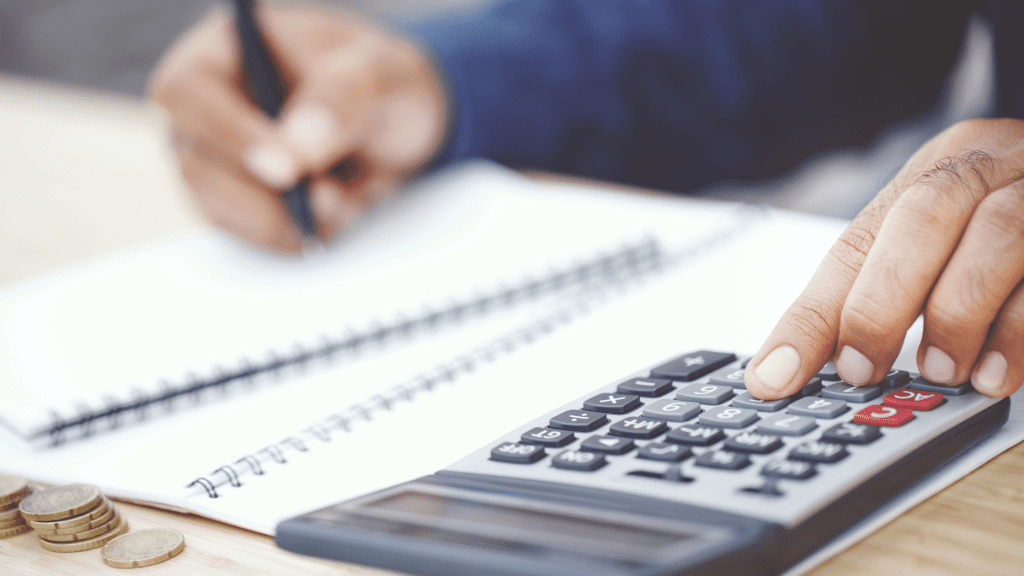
point(188, 322)
point(197, 375)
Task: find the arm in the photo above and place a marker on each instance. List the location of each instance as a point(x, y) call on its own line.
point(676, 95)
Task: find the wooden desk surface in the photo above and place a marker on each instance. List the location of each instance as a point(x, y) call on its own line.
point(84, 174)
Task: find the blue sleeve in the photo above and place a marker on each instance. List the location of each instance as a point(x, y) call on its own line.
point(675, 94)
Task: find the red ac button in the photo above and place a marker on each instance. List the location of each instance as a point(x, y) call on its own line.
point(913, 399)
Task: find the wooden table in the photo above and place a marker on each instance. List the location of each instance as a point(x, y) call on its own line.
point(83, 174)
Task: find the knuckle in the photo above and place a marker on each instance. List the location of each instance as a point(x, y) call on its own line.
point(956, 182)
point(960, 314)
point(812, 320)
point(866, 319)
point(1003, 211)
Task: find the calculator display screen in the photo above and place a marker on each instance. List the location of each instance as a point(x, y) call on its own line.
point(608, 532)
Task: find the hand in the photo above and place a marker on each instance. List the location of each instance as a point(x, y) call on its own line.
point(356, 95)
point(945, 238)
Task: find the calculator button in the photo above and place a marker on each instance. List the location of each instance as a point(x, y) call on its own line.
point(578, 460)
point(923, 385)
point(754, 442)
point(819, 452)
point(671, 410)
point(695, 435)
point(705, 393)
point(895, 379)
point(547, 437)
point(664, 452)
point(747, 400)
point(578, 420)
point(828, 372)
point(850, 433)
point(645, 428)
point(728, 417)
point(791, 469)
point(913, 399)
point(613, 403)
point(729, 376)
point(841, 391)
point(693, 365)
point(647, 387)
point(812, 388)
point(879, 415)
point(723, 459)
point(817, 407)
point(786, 425)
point(517, 453)
point(607, 444)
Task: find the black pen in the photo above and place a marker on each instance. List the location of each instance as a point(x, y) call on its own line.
point(268, 91)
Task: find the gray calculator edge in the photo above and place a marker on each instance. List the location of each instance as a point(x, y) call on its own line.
point(725, 531)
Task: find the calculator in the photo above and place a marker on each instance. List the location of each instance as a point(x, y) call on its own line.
point(672, 470)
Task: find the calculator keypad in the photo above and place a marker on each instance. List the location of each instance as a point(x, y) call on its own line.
point(691, 421)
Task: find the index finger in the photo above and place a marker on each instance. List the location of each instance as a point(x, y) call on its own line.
point(806, 335)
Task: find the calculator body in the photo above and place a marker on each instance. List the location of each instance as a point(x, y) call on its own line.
point(672, 470)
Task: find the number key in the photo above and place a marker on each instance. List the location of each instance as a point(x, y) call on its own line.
point(728, 417)
point(705, 393)
point(671, 410)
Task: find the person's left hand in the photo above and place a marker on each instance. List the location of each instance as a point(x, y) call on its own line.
point(945, 238)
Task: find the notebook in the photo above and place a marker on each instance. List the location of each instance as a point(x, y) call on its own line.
point(164, 327)
point(193, 366)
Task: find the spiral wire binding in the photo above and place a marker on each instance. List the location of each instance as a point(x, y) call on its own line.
point(86, 421)
point(619, 280)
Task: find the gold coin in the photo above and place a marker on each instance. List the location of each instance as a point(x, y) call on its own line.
point(85, 531)
point(85, 544)
point(75, 521)
point(12, 489)
point(60, 502)
point(14, 531)
point(12, 522)
point(143, 548)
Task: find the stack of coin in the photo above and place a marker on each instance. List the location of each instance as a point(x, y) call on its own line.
point(13, 489)
point(72, 518)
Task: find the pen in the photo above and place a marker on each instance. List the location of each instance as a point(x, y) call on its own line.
point(268, 91)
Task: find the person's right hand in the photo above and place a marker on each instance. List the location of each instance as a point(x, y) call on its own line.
point(356, 95)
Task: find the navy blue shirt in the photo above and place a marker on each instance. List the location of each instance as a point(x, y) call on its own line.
point(675, 94)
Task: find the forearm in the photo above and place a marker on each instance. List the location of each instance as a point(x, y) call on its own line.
point(678, 94)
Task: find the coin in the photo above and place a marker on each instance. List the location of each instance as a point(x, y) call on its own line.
point(12, 489)
point(102, 528)
point(82, 519)
point(12, 522)
point(11, 513)
point(60, 502)
point(84, 545)
point(143, 548)
point(13, 530)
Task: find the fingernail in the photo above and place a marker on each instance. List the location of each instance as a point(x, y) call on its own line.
point(333, 209)
point(853, 367)
point(779, 367)
point(989, 377)
point(938, 366)
point(311, 130)
point(272, 164)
